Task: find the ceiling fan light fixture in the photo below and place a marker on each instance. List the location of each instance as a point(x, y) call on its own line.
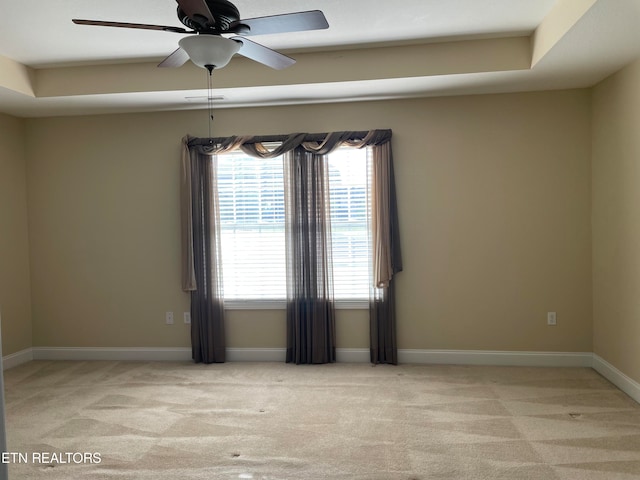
point(206, 50)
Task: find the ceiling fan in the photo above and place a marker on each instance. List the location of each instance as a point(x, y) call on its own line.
point(209, 20)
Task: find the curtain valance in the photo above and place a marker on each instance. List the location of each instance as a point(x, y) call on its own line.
point(318, 143)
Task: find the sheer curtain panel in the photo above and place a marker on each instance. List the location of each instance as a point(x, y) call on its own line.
point(202, 275)
point(387, 257)
point(310, 305)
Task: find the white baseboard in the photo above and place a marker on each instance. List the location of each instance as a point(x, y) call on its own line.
point(498, 358)
point(615, 376)
point(353, 355)
point(344, 355)
point(18, 358)
point(178, 354)
point(255, 354)
point(149, 354)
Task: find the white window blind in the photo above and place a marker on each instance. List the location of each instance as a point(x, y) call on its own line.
point(251, 196)
point(349, 226)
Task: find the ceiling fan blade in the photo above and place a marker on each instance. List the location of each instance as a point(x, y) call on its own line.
point(288, 22)
point(263, 54)
point(176, 59)
point(196, 8)
point(143, 26)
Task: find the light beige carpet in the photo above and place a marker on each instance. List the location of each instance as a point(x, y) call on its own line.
point(343, 421)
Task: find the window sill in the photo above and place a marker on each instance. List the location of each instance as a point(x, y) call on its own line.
point(281, 304)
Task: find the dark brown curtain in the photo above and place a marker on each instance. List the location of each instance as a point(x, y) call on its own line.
point(310, 304)
point(382, 325)
point(200, 216)
point(387, 257)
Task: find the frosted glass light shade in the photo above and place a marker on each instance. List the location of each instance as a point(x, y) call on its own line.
point(209, 49)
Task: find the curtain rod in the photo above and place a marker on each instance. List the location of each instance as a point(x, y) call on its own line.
point(309, 137)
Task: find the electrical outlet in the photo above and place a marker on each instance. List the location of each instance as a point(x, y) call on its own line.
point(551, 318)
point(187, 318)
point(168, 318)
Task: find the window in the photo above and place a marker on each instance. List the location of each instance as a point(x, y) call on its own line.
point(251, 196)
point(349, 226)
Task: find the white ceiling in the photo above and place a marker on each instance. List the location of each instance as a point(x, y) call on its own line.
point(40, 33)
point(38, 37)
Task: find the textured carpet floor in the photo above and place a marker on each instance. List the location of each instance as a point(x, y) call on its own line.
point(343, 421)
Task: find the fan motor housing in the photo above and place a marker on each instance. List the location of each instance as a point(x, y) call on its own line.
point(224, 13)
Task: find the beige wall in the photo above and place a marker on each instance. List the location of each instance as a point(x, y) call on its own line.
point(616, 220)
point(15, 297)
point(494, 198)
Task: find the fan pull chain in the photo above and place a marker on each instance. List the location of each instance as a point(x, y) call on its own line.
point(210, 96)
